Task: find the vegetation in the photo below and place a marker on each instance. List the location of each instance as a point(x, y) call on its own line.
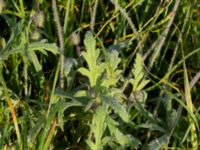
point(100, 75)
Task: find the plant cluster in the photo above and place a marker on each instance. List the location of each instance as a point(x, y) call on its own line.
point(94, 74)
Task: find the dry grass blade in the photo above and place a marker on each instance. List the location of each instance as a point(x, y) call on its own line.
point(188, 99)
point(14, 116)
point(164, 34)
point(94, 15)
point(194, 80)
point(51, 133)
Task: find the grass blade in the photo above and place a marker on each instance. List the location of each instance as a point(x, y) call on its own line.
point(188, 99)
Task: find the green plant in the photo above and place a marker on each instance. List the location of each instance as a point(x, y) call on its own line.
point(132, 82)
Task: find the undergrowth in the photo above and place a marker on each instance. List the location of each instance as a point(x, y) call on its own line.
point(99, 75)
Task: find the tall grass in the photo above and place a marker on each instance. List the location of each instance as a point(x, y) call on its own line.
point(99, 74)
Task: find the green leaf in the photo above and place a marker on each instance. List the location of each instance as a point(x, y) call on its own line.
point(91, 144)
point(117, 107)
point(81, 93)
point(90, 42)
point(111, 121)
point(138, 65)
point(36, 46)
point(84, 72)
point(153, 127)
point(139, 106)
point(138, 82)
point(142, 84)
point(158, 143)
point(69, 63)
point(105, 140)
point(33, 58)
point(98, 127)
point(36, 129)
point(42, 47)
point(54, 98)
point(99, 119)
point(112, 73)
point(122, 139)
point(62, 106)
point(114, 59)
point(57, 108)
point(91, 55)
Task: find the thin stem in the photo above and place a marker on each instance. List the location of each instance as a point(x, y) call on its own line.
point(21, 5)
point(163, 36)
point(53, 88)
point(25, 79)
point(67, 14)
point(194, 80)
point(94, 15)
point(124, 13)
point(179, 40)
point(10, 105)
point(50, 135)
point(61, 42)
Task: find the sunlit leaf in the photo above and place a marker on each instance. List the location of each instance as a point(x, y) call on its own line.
point(90, 43)
point(112, 71)
point(91, 55)
point(142, 84)
point(80, 93)
point(84, 71)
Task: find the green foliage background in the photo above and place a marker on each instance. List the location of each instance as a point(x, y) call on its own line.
point(96, 74)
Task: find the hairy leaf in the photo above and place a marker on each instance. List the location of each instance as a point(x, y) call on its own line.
point(117, 107)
